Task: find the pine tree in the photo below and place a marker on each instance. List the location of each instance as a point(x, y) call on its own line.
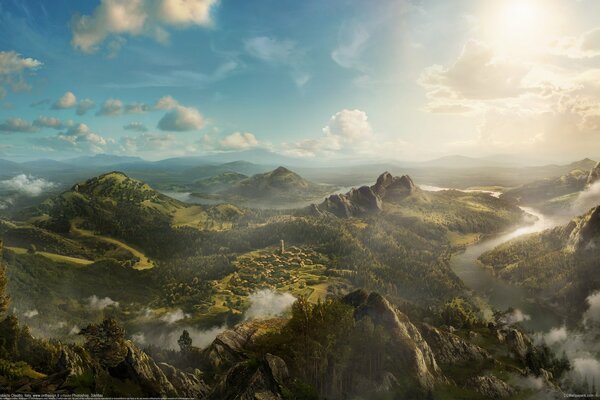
point(185, 341)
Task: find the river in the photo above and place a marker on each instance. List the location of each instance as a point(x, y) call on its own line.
point(498, 294)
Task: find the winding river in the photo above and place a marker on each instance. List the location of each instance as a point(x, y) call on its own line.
point(498, 294)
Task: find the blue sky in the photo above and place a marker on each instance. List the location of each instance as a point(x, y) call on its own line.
point(335, 80)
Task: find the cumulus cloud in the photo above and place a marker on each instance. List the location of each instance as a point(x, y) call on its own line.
point(117, 18)
point(166, 103)
point(174, 316)
point(135, 126)
point(347, 130)
point(12, 125)
point(280, 52)
point(586, 45)
point(114, 107)
point(27, 185)
point(181, 119)
point(97, 303)
point(478, 73)
point(267, 303)
point(13, 68)
point(67, 100)
point(555, 335)
point(136, 108)
point(48, 122)
point(111, 107)
point(238, 141)
point(84, 106)
point(78, 137)
point(349, 126)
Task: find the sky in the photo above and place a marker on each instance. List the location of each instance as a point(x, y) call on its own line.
point(313, 80)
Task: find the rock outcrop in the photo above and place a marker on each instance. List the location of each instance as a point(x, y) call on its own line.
point(451, 349)
point(250, 380)
point(594, 175)
point(368, 199)
point(410, 349)
point(490, 387)
point(585, 230)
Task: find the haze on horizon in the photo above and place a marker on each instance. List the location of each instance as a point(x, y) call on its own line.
point(341, 80)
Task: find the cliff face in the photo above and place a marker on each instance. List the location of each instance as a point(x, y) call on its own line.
point(369, 199)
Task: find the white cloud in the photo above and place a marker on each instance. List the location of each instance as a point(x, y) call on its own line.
point(135, 126)
point(347, 130)
point(279, 52)
point(97, 303)
point(116, 18)
point(182, 119)
point(174, 316)
point(555, 335)
point(593, 312)
point(111, 107)
point(67, 100)
point(266, 304)
point(515, 317)
point(48, 122)
point(238, 141)
point(585, 46)
point(166, 103)
point(136, 108)
point(349, 126)
point(78, 137)
point(16, 125)
point(478, 73)
point(84, 106)
point(13, 67)
point(27, 185)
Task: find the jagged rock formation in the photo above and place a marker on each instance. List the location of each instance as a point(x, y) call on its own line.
point(413, 352)
point(585, 230)
point(490, 387)
point(451, 349)
point(367, 199)
point(594, 175)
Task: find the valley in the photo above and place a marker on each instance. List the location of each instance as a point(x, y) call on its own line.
point(113, 248)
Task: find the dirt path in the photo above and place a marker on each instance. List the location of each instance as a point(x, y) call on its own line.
point(55, 257)
point(143, 263)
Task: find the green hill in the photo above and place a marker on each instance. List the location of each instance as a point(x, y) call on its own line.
point(275, 188)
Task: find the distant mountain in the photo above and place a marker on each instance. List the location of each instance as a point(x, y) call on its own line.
point(279, 185)
point(458, 161)
point(102, 160)
point(218, 183)
point(553, 195)
point(46, 164)
point(238, 166)
point(9, 168)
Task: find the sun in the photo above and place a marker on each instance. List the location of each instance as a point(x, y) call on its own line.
point(520, 26)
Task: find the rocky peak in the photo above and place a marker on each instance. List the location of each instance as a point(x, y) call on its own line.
point(586, 230)
point(280, 170)
point(594, 175)
point(414, 351)
point(390, 187)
